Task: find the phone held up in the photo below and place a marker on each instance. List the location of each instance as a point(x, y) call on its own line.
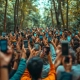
point(46, 50)
point(3, 45)
point(65, 48)
point(36, 46)
point(65, 51)
point(25, 42)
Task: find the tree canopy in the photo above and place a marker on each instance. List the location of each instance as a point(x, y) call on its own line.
point(39, 13)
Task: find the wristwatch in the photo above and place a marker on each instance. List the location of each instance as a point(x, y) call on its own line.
point(4, 66)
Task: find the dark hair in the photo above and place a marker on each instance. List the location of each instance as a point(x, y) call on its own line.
point(34, 67)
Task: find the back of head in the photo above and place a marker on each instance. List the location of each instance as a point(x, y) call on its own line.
point(34, 67)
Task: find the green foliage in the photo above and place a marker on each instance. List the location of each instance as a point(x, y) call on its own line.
point(29, 13)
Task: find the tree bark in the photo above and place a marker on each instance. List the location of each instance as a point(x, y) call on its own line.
point(4, 28)
point(56, 13)
point(52, 15)
point(62, 18)
point(15, 20)
point(67, 15)
point(17, 10)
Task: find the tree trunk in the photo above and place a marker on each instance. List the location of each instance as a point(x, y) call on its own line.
point(15, 19)
point(56, 13)
point(52, 15)
point(17, 10)
point(67, 15)
point(59, 12)
point(62, 15)
point(4, 28)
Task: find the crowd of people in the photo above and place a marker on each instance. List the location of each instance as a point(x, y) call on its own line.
point(40, 54)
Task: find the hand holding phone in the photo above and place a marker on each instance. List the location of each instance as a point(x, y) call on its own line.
point(36, 46)
point(3, 34)
point(41, 37)
point(25, 43)
point(35, 34)
point(46, 50)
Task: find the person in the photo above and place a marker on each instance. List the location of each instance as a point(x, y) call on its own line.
point(4, 61)
point(34, 69)
point(74, 69)
point(22, 66)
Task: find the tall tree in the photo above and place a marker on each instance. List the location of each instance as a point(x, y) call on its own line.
point(56, 13)
point(62, 16)
point(52, 14)
point(4, 28)
point(67, 15)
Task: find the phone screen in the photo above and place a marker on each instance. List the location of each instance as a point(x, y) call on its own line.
point(69, 38)
point(46, 34)
point(65, 48)
point(36, 46)
point(12, 33)
point(30, 30)
point(49, 39)
point(25, 44)
point(3, 45)
point(35, 34)
point(3, 34)
point(46, 50)
point(41, 37)
point(30, 40)
point(60, 32)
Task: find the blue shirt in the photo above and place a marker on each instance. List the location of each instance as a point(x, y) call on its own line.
point(20, 70)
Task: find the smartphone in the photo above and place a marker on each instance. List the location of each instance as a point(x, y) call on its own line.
point(69, 38)
point(46, 50)
point(12, 33)
point(3, 45)
point(60, 33)
point(47, 34)
point(31, 40)
point(36, 46)
point(41, 37)
point(49, 39)
point(3, 34)
point(35, 34)
point(25, 43)
point(56, 32)
point(67, 59)
point(65, 48)
point(30, 30)
point(43, 30)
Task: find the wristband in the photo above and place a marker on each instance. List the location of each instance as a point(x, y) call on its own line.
point(4, 66)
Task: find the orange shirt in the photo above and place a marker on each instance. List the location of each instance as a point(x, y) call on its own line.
point(51, 74)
